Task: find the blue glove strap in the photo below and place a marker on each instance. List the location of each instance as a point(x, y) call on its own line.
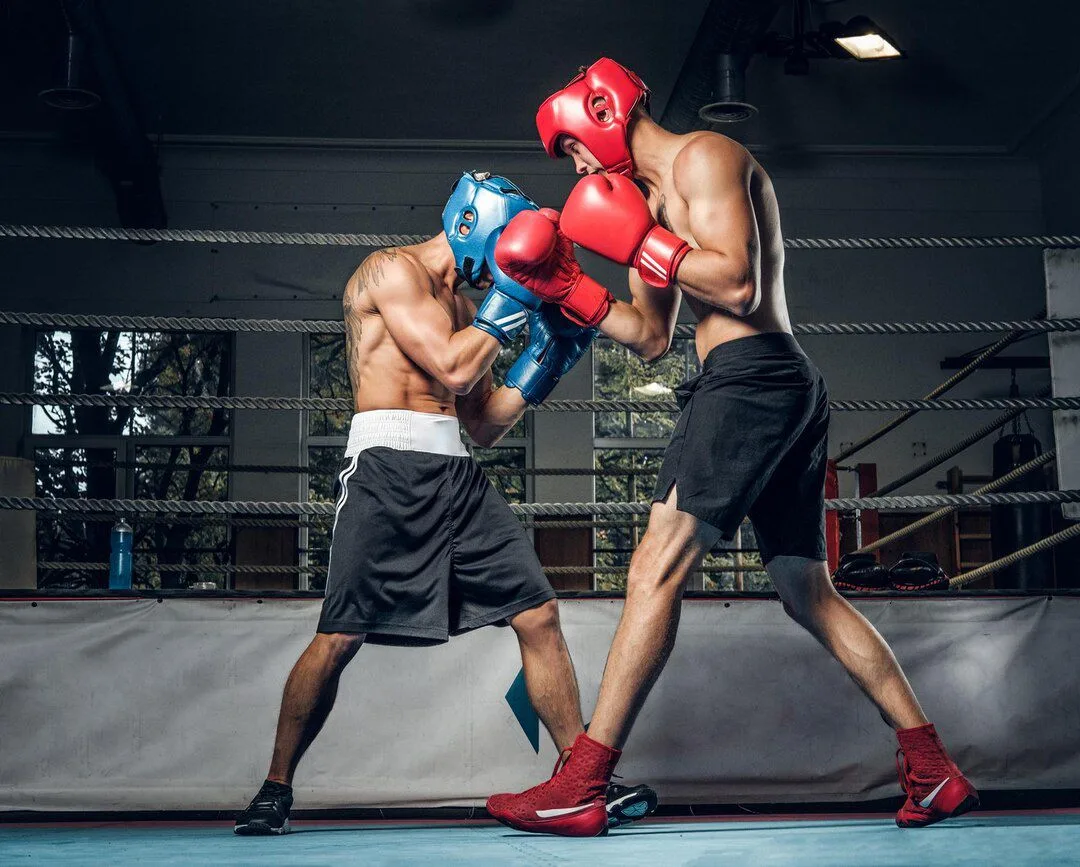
point(501, 316)
point(533, 380)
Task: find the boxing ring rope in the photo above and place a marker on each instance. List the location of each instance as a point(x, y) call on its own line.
point(337, 326)
point(341, 404)
point(629, 521)
point(934, 517)
point(317, 471)
point(236, 512)
point(364, 239)
point(218, 569)
point(1005, 562)
point(953, 450)
point(953, 380)
point(241, 507)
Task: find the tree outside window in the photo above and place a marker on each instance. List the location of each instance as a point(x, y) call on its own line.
point(112, 451)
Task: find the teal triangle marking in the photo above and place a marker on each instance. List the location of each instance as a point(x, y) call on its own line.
point(518, 699)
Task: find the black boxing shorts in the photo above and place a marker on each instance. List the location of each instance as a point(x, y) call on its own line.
point(751, 440)
point(423, 546)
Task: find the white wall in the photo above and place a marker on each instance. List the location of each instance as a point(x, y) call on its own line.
point(401, 189)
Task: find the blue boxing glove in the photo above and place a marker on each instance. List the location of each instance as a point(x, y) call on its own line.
point(506, 307)
point(555, 345)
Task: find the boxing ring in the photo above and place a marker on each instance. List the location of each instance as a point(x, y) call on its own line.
point(813, 841)
point(83, 739)
point(748, 710)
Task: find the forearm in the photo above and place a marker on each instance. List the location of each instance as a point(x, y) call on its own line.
point(720, 280)
point(644, 335)
point(491, 418)
point(468, 355)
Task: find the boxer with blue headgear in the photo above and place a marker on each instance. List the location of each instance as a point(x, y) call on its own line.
point(479, 207)
point(423, 547)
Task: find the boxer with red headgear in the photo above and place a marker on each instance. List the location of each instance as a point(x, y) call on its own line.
point(596, 108)
point(751, 440)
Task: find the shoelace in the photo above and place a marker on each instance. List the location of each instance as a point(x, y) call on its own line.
point(266, 803)
point(901, 770)
point(560, 762)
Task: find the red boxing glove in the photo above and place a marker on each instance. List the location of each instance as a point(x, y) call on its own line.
point(532, 251)
point(608, 215)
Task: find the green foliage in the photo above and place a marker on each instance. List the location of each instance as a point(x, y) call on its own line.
point(328, 376)
point(618, 374)
point(512, 487)
point(94, 362)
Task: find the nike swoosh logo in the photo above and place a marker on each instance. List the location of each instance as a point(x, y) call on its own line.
point(561, 811)
point(929, 799)
point(617, 801)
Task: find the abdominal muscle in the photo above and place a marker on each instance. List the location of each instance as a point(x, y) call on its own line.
point(383, 377)
point(715, 325)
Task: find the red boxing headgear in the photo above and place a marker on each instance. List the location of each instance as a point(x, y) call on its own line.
point(595, 108)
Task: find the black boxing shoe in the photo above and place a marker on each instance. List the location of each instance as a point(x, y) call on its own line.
point(268, 812)
point(626, 804)
point(860, 572)
point(918, 570)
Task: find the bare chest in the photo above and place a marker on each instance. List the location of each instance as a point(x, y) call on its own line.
point(671, 211)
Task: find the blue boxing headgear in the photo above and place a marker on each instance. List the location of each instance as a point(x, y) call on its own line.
point(479, 207)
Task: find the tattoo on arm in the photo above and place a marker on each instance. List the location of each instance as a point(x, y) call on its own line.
point(661, 214)
point(371, 270)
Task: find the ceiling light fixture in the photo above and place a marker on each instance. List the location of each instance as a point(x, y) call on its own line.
point(864, 40)
point(859, 39)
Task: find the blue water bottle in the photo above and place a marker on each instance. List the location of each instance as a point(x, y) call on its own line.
point(120, 560)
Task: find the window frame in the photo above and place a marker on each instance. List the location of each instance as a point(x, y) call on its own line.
point(309, 441)
point(126, 446)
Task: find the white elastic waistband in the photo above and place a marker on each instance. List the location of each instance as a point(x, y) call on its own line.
point(405, 430)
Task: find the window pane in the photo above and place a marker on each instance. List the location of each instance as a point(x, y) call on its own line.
point(181, 473)
point(611, 381)
point(619, 374)
point(502, 466)
point(740, 551)
point(628, 475)
point(176, 553)
point(124, 362)
point(65, 538)
point(324, 464)
point(328, 376)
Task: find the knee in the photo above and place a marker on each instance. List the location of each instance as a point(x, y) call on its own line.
point(653, 574)
point(340, 647)
point(539, 622)
point(810, 605)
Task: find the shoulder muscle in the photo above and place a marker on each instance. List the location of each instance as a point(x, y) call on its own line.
point(387, 274)
point(710, 164)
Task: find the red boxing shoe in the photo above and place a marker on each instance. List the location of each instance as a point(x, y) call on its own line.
point(934, 786)
point(572, 802)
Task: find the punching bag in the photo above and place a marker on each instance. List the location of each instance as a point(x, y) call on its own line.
point(1015, 527)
